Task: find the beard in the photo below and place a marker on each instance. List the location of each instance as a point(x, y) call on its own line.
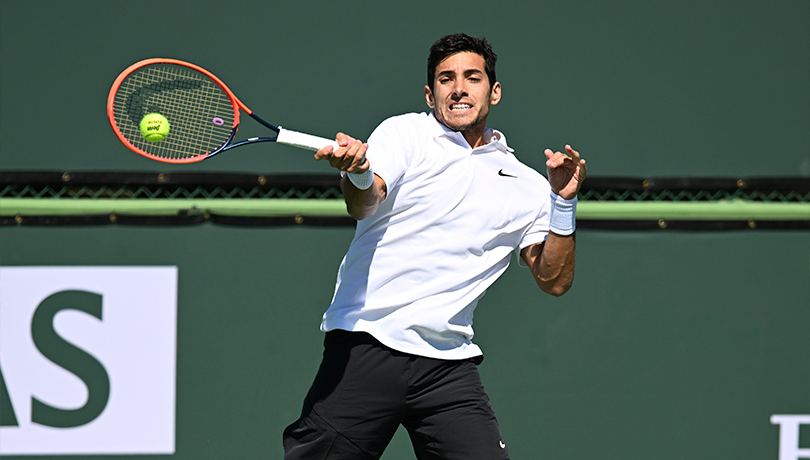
point(462, 125)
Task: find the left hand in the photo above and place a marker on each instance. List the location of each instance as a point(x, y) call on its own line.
point(566, 171)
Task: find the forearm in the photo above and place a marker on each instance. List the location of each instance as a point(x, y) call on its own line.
point(553, 270)
point(553, 265)
point(362, 203)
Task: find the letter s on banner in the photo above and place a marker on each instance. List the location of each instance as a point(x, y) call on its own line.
point(70, 334)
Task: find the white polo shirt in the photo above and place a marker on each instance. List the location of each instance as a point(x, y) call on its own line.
point(452, 217)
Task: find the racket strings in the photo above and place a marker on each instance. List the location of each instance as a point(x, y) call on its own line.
point(200, 112)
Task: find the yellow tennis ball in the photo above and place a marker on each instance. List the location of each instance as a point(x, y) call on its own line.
point(154, 127)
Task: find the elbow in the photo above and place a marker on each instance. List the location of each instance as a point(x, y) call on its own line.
point(558, 291)
point(360, 212)
point(356, 216)
point(361, 204)
point(555, 289)
point(557, 281)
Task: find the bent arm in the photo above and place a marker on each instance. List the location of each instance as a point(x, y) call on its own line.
point(552, 263)
point(350, 158)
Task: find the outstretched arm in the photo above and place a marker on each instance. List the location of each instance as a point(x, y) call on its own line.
point(552, 262)
point(350, 157)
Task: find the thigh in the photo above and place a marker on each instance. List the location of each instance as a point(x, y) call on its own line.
point(452, 418)
point(354, 405)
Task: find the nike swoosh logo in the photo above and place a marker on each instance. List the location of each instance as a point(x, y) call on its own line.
point(501, 173)
point(503, 446)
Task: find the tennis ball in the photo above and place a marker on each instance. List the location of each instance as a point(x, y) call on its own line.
point(154, 127)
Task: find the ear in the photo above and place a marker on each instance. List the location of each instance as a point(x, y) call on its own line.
point(495, 94)
point(429, 97)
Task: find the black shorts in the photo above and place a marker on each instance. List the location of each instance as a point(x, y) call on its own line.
point(364, 390)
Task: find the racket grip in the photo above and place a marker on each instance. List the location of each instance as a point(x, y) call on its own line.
point(304, 141)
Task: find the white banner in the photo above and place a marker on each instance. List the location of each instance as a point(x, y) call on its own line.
point(88, 360)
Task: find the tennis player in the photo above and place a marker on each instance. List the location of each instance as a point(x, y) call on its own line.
point(441, 204)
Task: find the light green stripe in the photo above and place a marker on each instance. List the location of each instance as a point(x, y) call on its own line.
point(172, 206)
point(712, 210)
point(611, 210)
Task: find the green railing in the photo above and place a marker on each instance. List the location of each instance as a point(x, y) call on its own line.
point(58, 198)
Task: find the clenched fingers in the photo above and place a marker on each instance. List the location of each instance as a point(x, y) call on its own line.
point(350, 156)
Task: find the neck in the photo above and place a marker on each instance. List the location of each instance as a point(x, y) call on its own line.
point(475, 136)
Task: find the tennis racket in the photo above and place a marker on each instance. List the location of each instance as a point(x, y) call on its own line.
point(203, 113)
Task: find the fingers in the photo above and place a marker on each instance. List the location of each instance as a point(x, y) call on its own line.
point(557, 159)
point(350, 156)
point(573, 153)
point(326, 152)
point(582, 171)
point(576, 159)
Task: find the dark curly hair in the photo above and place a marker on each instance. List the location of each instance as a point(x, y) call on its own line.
point(459, 43)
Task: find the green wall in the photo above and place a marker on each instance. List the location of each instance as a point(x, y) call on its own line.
point(640, 88)
point(671, 345)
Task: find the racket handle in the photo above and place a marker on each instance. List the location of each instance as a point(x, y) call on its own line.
point(304, 141)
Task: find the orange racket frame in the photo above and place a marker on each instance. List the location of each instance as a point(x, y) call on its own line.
point(284, 136)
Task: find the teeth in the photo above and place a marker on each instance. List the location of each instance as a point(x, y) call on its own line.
point(460, 106)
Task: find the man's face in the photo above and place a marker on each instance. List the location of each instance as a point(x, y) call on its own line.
point(461, 93)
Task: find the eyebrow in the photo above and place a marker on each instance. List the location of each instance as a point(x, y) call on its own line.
point(466, 72)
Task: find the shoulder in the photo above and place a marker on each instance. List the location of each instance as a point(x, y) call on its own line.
point(396, 144)
point(401, 129)
point(405, 121)
point(411, 117)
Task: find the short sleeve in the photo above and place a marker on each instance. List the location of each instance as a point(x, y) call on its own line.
point(390, 148)
point(537, 231)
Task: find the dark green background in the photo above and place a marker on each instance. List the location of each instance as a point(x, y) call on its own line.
point(671, 345)
point(641, 88)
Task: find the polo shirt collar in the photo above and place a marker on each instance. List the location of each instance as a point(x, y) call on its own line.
point(497, 139)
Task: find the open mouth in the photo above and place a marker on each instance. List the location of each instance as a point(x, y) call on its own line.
point(459, 107)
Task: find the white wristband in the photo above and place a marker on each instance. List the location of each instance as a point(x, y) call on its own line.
point(363, 180)
point(563, 215)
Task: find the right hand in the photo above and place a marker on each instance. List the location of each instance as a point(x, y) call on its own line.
point(350, 156)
